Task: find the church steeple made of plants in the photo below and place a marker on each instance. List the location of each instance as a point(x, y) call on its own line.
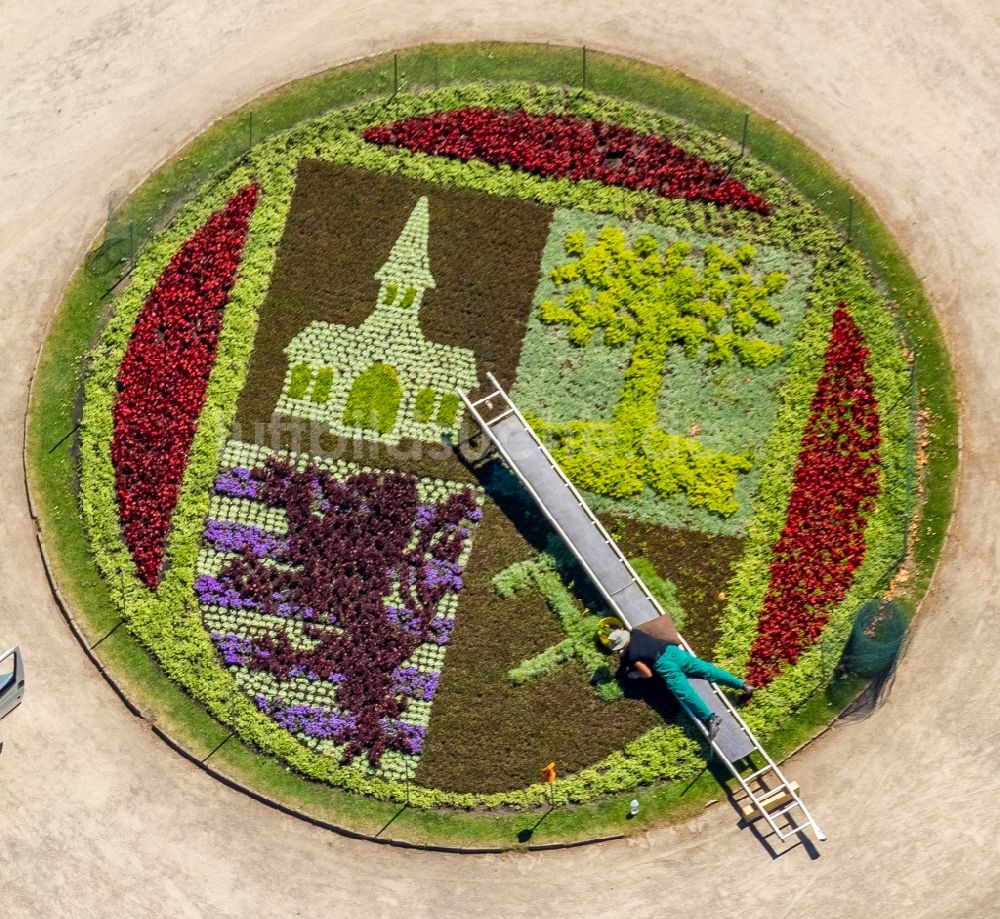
point(382, 380)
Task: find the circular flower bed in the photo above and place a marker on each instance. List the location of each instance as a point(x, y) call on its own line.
point(273, 478)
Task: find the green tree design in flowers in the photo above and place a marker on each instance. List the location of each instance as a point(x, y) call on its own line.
point(547, 572)
point(653, 299)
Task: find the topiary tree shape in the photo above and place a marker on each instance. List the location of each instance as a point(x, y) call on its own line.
point(547, 573)
point(652, 300)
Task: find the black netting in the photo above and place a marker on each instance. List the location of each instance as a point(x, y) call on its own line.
point(872, 652)
point(879, 629)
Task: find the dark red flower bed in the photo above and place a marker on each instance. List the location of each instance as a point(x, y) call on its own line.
point(164, 375)
point(564, 146)
point(833, 492)
point(351, 546)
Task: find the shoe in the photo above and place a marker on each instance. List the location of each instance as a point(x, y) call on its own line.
point(713, 725)
point(746, 694)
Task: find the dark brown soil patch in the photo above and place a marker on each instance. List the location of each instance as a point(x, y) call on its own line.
point(487, 735)
point(485, 253)
point(699, 565)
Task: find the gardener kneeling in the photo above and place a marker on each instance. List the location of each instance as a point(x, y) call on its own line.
point(646, 653)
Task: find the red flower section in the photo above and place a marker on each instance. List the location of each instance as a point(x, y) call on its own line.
point(833, 492)
point(563, 146)
point(163, 377)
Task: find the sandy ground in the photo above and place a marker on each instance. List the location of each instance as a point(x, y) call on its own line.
point(101, 819)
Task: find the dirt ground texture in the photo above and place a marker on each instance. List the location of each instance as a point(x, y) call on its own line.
point(101, 819)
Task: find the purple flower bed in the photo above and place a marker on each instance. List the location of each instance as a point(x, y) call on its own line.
point(405, 736)
point(226, 536)
point(234, 648)
point(411, 682)
point(364, 554)
point(236, 483)
point(311, 720)
point(212, 590)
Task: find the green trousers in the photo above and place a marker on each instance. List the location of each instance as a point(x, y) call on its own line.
point(675, 665)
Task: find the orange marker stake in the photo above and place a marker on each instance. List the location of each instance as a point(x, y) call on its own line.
point(549, 776)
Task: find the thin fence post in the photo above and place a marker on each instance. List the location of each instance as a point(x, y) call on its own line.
point(395, 74)
point(583, 66)
point(743, 139)
point(850, 218)
point(437, 75)
point(131, 242)
point(250, 139)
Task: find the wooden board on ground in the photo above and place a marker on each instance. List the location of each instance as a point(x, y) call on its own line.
point(780, 796)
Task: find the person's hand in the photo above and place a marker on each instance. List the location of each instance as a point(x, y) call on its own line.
point(641, 672)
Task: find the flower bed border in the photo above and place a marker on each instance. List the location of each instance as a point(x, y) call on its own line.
point(164, 623)
point(946, 415)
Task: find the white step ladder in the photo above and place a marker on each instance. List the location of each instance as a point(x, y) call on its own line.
point(769, 793)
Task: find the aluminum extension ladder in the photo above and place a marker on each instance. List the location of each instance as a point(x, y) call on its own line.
point(768, 792)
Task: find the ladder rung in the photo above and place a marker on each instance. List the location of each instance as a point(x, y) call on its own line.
point(771, 796)
point(796, 830)
point(766, 792)
point(754, 775)
point(784, 810)
point(493, 421)
point(490, 397)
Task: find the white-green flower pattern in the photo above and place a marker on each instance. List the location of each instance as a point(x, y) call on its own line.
point(382, 380)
